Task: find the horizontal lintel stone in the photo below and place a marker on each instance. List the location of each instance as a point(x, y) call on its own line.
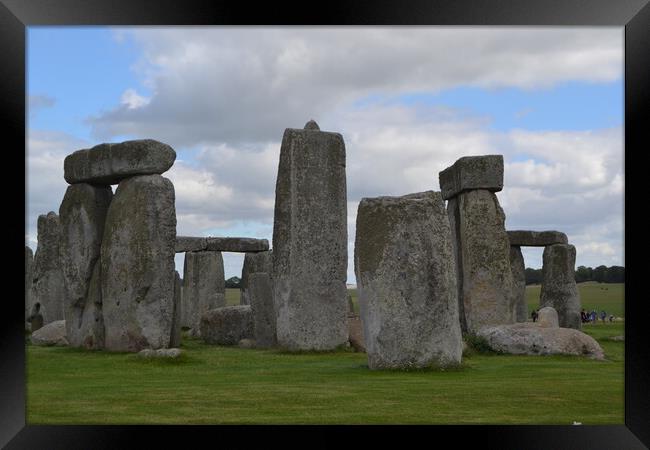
point(470, 173)
point(524, 238)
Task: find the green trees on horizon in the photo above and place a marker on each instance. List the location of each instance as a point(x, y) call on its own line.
point(601, 274)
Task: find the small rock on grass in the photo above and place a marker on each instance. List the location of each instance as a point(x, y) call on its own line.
point(171, 353)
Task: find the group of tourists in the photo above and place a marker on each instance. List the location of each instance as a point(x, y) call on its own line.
point(592, 316)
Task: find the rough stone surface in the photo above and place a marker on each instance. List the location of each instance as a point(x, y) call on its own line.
point(310, 241)
point(253, 263)
point(111, 163)
point(237, 244)
point(532, 339)
point(406, 282)
point(247, 343)
point(51, 334)
point(170, 353)
point(548, 318)
point(204, 286)
point(48, 286)
point(227, 325)
point(29, 276)
point(483, 260)
point(525, 238)
point(518, 283)
point(83, 214)
point(190, 244)
point(355, 330)
point(559, 289)
point(261, 295)
point(137, 264)
point(175, 339)
point(470, 173)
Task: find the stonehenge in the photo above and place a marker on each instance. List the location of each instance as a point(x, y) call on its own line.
point(310, 241)
point(427, 272)
point(406, 281)
point(481, 245)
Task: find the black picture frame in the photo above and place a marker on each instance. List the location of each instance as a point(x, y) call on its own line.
point(634, 15)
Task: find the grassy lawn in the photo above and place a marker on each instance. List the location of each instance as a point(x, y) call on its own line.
point(228, 385)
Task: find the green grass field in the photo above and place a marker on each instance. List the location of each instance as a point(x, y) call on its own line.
point(229, 385)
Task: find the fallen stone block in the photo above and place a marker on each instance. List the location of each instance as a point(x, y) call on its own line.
point(51, 334)
point(227, 325)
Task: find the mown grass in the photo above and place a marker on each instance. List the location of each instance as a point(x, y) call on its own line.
point(593, 295)
point(229, 385)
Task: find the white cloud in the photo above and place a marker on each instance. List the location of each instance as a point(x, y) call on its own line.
point(132, 100)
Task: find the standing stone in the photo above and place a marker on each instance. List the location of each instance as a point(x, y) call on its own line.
point(175, 340)
point(83, 214)
point(137, 264)
point(310, 241)
point(483, 260)
point(29, 275)
point(204, 286)
point(261, 290)
point(518, 283)
point(47, 288)
point(406, 281)
point(548, 318)
point(559, 289)
point(253, 263)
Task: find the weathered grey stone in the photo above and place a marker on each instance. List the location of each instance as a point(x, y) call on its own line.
point(247, 343)
point(310, 241)
point(175, 339)
point(406, 282)
point(227, 325)
point(559, 289)
point(312, 125)
point(137, 263)
point(190, 244)
point(111, 163)
point(83, 214)
point(518, 283)
point(165, 353)
point(261, 296)
point(470, 173)
point(253, 263)
point(532, 339)
point(51, 334)
point(237, 244)
point(47, 287)
point(525, 238)
point(548, 318)
point(483, 260)
point(355, 330)
point(29, 276)
point(204, 285)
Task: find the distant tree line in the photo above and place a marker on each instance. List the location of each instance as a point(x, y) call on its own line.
point(234, 282)
point(601, 274)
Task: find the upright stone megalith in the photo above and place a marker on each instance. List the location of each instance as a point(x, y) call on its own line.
point(29, 274)
point(47, 288)
point(485, 283)
point(204, 286)
point(518, 283)
point(261, 290)
point(310, 241)
point(137, 264)
point(83, 214)
point(406, 282)
point(253, 263)
point(559, 289)
point(175, 339)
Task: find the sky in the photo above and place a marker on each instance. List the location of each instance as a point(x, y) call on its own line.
point(409, 101)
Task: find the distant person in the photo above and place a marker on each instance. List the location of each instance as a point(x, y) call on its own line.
point(36, 318)
point(611, 317)
point(594, 316)
point(583, 316)
point(534, 315)
point(603, 316)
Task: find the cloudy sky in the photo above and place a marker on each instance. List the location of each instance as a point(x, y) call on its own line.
point(408, 101)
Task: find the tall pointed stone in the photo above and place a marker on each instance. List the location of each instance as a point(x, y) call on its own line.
point(518, 283)
point(47, 288)
point(137, 264)
point(204, 286)
point(406, 281)
point(559, 289)
point(83, 214)
point(310, 241)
